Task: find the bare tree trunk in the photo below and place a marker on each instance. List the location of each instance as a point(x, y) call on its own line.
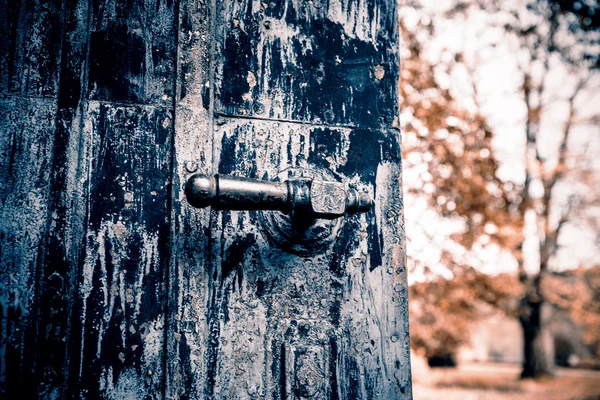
point(538, 349)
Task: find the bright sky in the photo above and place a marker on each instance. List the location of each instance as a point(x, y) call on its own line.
point(497, 81)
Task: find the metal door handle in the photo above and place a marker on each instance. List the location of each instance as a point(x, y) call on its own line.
point(320, 199)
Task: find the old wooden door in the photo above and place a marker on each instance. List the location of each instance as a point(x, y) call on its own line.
point(112, 285)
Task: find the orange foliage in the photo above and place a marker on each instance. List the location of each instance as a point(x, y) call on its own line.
point(456, 145)
point(442, 310)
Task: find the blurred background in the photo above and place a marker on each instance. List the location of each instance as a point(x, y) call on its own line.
point(500, 117)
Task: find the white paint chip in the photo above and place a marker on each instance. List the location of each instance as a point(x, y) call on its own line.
point(379, 72)
point(251, 79)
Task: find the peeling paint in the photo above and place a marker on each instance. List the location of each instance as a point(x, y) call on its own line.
point(310, 60)
point(108, 108)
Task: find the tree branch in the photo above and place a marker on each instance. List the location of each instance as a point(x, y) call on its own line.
point(560, 168)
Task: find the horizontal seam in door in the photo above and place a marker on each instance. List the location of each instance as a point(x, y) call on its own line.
point(6, 96)
point(113, 103)
point(296, 122)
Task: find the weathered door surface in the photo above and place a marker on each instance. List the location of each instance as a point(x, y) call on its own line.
point(112, 285)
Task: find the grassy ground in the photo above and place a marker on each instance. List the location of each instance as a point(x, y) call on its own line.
point(474, 383)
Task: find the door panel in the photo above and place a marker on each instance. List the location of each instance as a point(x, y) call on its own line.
point(260, 312)
point(26, 143)
point(331, 62)
point(29, 71)
point(286, 313)
point(90, 317)
point(127, 143)
point(122, 284)
point(326, 316)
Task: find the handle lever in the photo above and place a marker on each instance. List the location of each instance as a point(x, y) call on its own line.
point(321, 199)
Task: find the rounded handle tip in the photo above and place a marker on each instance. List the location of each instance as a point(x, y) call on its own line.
point(358, 202)
point(200, 190)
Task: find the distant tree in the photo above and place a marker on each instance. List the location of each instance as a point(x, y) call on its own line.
point(550, 39)
point(550, 36)
point(451, 145)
